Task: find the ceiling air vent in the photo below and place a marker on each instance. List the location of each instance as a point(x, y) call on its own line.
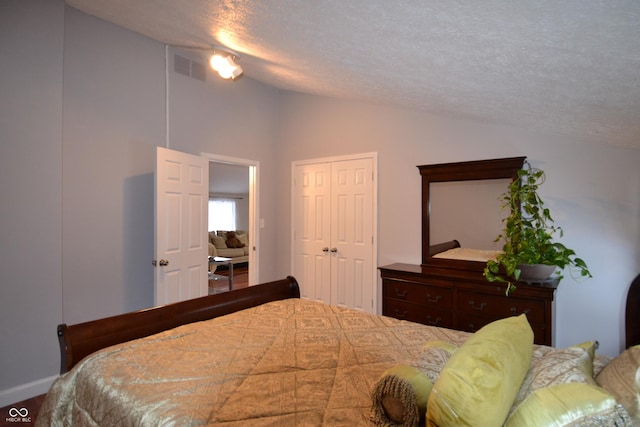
point(189, 68)
point(198, 71)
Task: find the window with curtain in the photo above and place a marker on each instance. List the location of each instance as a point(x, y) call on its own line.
point(222, 214)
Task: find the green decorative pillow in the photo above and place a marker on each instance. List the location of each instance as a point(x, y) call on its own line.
point(552, 366)
point(479, 383)
point(621, 377)
point(569, 404)
point(450, 348)
point(400, 395)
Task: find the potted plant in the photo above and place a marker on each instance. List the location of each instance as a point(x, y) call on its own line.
point(529, 234)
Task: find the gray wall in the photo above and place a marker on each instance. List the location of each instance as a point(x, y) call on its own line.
point(592, 191)
point(113, 120)
point(31, 42)
point(77, 161)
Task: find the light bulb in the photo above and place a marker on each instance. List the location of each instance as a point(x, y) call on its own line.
point(218, 62)
point(225, 66)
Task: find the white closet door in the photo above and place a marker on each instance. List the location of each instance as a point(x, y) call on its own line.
point(352, 234)
point(333, 232)
point(312, 216)
point(181, 238)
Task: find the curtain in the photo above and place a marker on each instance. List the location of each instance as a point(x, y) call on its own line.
point(222, 214)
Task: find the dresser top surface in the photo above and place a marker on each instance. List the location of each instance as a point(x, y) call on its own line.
point(453, 274)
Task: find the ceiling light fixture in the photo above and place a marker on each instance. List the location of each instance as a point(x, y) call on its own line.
point(223, 61)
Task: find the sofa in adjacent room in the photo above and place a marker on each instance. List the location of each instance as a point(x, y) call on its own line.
point(218, 246)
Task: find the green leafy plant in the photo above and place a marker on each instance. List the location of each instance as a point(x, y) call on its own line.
point(529, 234)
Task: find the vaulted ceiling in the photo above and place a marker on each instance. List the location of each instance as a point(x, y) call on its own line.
point(569, 67)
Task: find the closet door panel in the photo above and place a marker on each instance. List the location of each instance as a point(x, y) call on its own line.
point(312, 204)
point(352, 233)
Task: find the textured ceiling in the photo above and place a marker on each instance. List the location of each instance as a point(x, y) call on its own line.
point(569, 67)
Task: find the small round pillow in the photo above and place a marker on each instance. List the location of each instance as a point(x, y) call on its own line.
point(400, 395)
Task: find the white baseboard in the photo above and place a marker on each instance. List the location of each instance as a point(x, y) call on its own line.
point(26, 391)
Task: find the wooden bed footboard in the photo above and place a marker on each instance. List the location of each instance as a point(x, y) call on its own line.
point(78, 341)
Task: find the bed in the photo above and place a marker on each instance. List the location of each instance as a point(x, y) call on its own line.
point(262, 356)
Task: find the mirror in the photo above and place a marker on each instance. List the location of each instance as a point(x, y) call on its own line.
point(467, 211)
point(460, 201)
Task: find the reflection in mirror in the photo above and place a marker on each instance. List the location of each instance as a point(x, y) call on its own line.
point(467, 211)
point(461, 211)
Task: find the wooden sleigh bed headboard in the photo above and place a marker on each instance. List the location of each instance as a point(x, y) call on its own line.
point(632, 314)
point(79, 341)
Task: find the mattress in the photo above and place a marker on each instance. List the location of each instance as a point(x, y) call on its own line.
point(468, 254)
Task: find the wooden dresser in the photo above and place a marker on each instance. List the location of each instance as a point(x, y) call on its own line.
point(463, 300)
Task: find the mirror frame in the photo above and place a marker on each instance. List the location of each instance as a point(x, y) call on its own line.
point(460, 171)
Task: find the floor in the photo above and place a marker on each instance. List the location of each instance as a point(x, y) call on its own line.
point(240, 278)
point(9, 414)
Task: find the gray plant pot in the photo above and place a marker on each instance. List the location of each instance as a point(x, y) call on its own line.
point(535, 272)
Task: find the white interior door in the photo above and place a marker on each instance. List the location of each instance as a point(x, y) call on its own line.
point(181, 204)
point(334, 227)
point(312, 234)
point(352, 254)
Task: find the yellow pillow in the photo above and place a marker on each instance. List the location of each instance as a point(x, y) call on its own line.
point(621, 377)
point(479, 383)
point(444, 345)
point(569, 404)
point(400, 396)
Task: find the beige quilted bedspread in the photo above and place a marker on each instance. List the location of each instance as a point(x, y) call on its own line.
point(291, 362)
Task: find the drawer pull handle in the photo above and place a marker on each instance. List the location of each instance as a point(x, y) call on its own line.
point(434, 300)
point(434, 322)
point(477, 307)
point(401, 316)
point(400, 293)
point(515, 310)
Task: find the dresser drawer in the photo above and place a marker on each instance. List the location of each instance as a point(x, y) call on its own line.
point(471, 323)
point(415, 313)
point(498, 306)
point(426, 295)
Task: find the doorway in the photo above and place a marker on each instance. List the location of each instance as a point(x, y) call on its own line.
point(228, 178)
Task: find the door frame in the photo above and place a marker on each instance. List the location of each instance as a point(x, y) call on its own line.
point(254, 208)
point(370, 155)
